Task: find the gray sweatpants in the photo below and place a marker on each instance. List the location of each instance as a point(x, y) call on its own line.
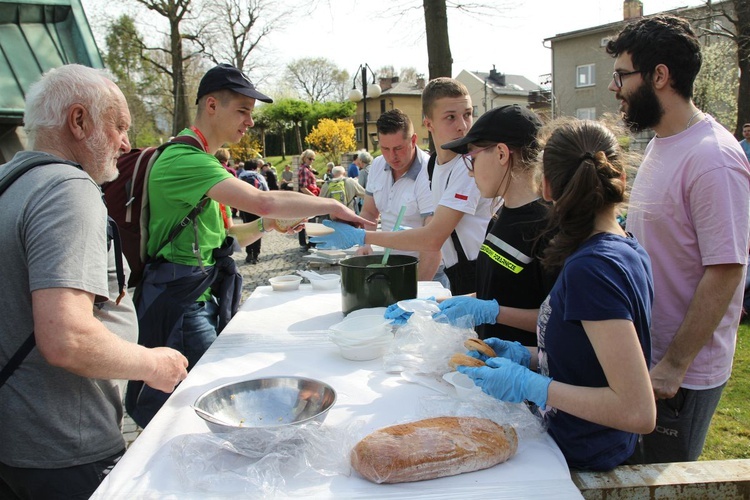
point(681, 427)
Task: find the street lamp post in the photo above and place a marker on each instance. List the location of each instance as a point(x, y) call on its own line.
point(373, 90)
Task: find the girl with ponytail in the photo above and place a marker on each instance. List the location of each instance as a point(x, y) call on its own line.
point(589, 375)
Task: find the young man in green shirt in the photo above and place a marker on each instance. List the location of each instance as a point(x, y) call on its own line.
point(191, 287)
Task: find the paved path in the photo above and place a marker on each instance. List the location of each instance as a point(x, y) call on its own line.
point(280, 254)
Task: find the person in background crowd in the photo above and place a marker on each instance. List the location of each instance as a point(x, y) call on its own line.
point(342, 188)
point(270, 174)
point(328, 175)
point(592, 384)
point(61, 409)
point(365, 160)
point(222, 154)
point(689, 209)
point(511, 281)
point(307, 185)
point(286, 179)
point(745, 143)
point(255, 179)
point(353, 171)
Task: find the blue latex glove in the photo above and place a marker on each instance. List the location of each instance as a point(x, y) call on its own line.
point(344, 236)
point(398, 315)
point(509, 381)
point(513, 351)
point(481, 311)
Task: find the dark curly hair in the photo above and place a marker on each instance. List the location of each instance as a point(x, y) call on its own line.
point(583, 168)
point(664, 40)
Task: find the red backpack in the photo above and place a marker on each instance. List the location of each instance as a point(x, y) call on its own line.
point(127, 201)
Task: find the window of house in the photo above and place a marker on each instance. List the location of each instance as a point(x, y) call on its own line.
point(358, 134)
point(585, 75)
point(586, 113)
point(476, 111)
point(382, 106)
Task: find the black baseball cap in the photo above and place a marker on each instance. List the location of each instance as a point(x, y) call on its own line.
point(512, 125)
point(226, 76)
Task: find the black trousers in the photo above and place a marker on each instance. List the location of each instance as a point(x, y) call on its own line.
point(77, 482)
point(253, 249)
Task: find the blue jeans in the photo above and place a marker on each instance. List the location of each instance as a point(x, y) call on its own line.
point(199, 330)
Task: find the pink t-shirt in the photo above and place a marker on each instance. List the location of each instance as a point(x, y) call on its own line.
point(690, 208)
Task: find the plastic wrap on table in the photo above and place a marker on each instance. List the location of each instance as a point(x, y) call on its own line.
point(425, 346)
point(525, 420)
point(258, 461)
point(432, 448)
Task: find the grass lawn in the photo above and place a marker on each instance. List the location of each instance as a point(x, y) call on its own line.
point(729, 436)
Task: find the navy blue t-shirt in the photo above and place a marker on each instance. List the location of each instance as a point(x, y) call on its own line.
point(607, 277)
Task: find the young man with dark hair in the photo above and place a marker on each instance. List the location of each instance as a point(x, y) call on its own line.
point(399, 178)
point(689, 210)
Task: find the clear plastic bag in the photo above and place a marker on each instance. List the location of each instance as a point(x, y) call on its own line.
point(424, 346)
point(526, 421)
point(256, 463)
point(421, 351)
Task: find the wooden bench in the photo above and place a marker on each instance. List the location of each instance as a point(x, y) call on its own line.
point(716, 479)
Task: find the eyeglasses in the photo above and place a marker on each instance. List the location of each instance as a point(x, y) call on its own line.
point(470, 157)
point(617, 76)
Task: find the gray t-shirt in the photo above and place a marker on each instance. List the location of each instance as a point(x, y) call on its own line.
point(53, 227)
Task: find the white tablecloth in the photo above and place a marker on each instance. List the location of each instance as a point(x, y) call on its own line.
point(284, 333)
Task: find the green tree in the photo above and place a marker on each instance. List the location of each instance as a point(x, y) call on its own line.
point(737, 12)
point(332, 110)
point(262, 124)
point(125, 61)
point(317, 79)
point(332, 137)
point(716, 85)
point(291, 111)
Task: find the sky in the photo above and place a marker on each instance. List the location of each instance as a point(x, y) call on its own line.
point(390, 33)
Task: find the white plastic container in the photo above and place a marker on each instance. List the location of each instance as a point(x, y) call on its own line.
point(364, 352)
point(325, 282)
point(285, 282)
point(362, 327)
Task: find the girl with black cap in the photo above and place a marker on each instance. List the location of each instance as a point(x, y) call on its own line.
point(500, 153)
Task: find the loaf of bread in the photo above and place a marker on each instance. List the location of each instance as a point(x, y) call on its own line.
point(434, 447)
point(480, 346)
point(464, 360)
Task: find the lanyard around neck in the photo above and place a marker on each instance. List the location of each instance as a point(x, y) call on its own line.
point(202, 137)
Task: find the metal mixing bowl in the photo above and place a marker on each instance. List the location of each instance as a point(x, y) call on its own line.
point(266, 403)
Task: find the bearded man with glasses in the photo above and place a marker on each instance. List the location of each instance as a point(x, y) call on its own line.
point(689, 210)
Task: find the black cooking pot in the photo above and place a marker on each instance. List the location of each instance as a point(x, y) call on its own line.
point(363, 287)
